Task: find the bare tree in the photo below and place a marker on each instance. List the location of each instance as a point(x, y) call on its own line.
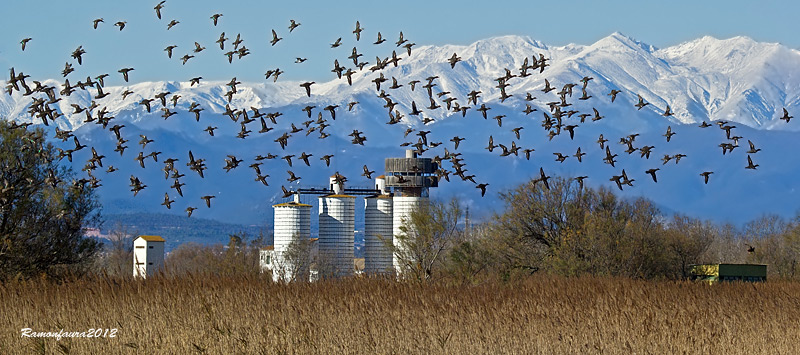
point(688, 239)
point(116, 257)
point(294, 264)
point(425, 237)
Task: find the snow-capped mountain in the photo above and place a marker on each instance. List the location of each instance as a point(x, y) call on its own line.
point(736, 80)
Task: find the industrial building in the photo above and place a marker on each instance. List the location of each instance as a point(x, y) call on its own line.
point(148, 255)
point(403, 187)
point(336, 230)
point(292, 225)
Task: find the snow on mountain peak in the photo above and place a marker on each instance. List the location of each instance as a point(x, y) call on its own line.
point(618, 40)
point(736, 79)
point(723, 55)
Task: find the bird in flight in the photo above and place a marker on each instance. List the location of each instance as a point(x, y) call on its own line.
point(483, 188)
point(705, 175)
point(327, 159)
point(24, 42)
point(307, 86)
point(207, 198)
point(785, 116)
point(358, 30)
point(293, 25)
point(215, 18)
point(125, 72)
point(367, 173)
point(453, 60)
point(652, 173)
point(613, 94)
point(641, 103)
point(275, 38)
point(167, 202)
point(750, 164)
point(158, 8)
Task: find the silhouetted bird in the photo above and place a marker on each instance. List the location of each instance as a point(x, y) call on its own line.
point(207, 198)
point(367, 173)
point(158, 8)
point(750, 164)
point(293, 25)
point(705, 175)
point(358, 30)
point(215, 18)
point(125, 72)
point(167, 202)
point(483, 188)
point(613, 94)
point(641, 103)
point(786, 116)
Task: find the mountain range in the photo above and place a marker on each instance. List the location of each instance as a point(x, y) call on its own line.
point(739, 81)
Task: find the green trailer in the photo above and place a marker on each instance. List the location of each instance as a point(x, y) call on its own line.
point(712, 273)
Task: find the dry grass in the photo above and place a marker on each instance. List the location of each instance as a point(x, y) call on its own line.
point(541, 315)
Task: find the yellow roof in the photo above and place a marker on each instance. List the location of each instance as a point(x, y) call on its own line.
point(269, 247)
point(152, 238)
point(291, 204)
point(381, 177)
point(314, 239)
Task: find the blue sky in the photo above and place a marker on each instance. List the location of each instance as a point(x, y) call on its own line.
point(58, 27)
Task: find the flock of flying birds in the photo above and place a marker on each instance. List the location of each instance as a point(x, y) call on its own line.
point(559, 117)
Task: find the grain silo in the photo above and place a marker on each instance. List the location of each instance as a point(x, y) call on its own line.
point(378, 231)
point(336, 231)
point(410, 179)
point(292, 223)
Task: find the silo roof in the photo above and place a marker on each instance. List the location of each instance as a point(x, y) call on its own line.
point(152, 238)
point(291, 204)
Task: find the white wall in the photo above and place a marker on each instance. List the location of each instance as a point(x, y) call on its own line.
point(148, 257)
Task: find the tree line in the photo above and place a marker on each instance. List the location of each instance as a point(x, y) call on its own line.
point(571, 230)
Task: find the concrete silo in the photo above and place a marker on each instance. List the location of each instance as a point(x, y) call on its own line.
point(410, 179)
point(292, 223)
point(336, 231)
point(378, 231)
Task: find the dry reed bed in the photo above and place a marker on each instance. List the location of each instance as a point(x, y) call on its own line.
point(541, 315)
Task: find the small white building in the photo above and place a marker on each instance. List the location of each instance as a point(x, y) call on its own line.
point(265, 258)
point(148, 255)
point(282, 270)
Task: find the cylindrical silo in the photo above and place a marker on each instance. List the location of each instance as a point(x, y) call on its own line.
point(401, 212)
point(292, 223)
point(336, 234)
point(378, 234)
